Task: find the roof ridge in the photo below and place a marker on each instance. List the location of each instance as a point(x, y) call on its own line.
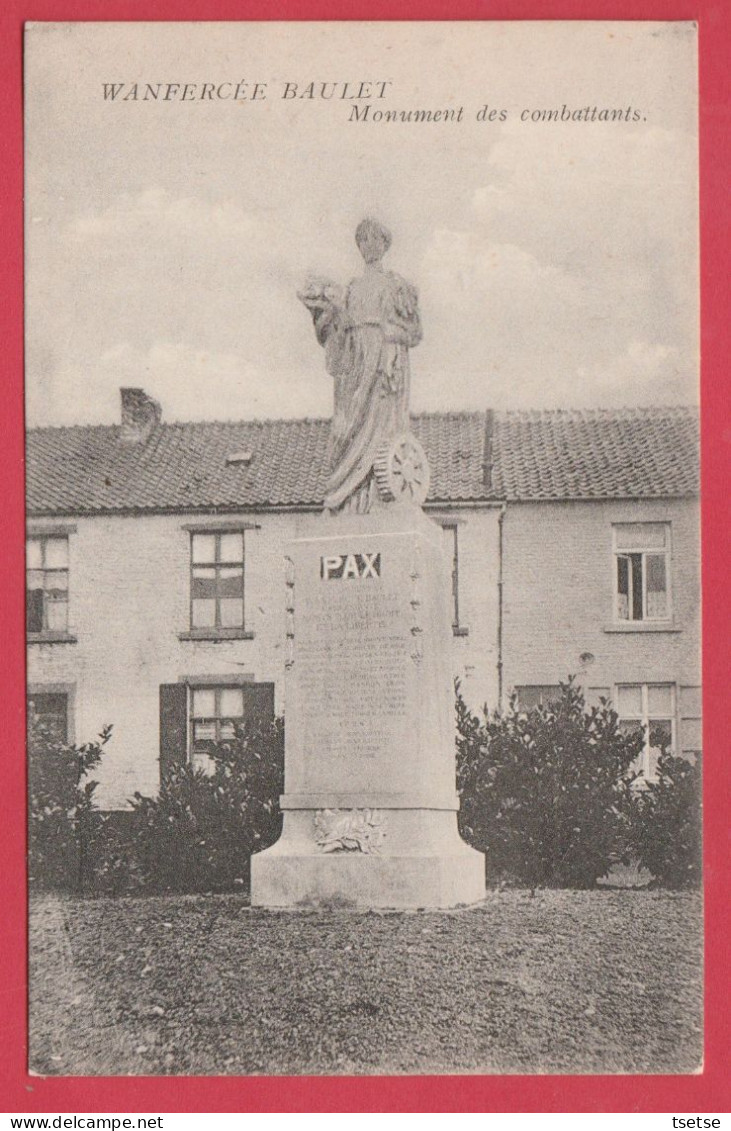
point(258, 420)
point(600, 410)
point(235, 423)
point(442, 414)
point(69, 427)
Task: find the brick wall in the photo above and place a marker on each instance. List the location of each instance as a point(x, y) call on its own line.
point(129, 604)
point(475, 644)
point(558, 603)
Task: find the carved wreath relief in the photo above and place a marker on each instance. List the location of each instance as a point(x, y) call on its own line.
point(349, 830)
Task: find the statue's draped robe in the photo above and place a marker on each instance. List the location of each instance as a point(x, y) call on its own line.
point(367, 340)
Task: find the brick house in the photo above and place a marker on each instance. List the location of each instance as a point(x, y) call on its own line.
point(155, 568)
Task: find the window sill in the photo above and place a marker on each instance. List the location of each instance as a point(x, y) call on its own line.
point(643, 626)
point(460, 630)
point(216, 634)
point(51, 638)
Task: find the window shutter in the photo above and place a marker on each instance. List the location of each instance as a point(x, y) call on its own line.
point(34, 610)
point(259, 700)
point(173, 725)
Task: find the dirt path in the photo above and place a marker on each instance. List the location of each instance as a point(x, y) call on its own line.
point(70, 1032)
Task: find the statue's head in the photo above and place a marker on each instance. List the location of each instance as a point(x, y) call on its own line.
point(373, 240)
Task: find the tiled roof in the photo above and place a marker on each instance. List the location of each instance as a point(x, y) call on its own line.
point(596, 454)
point(473, 456)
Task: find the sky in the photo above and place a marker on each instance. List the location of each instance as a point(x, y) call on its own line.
point(556, 262)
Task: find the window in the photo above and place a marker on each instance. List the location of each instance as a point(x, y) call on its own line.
point(217, 581)
point(51, 710)
point(641, 571)
point(47, 584)
point(451, 533)
point(651, 708)
point(200, 710)
point(537, 695)
point(214, 713)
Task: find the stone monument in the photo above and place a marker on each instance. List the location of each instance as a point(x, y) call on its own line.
point(370, 803)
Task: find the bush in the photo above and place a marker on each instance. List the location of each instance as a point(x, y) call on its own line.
point(547, 794)
point(62, 819)
point(198, 834)
point(667, 837)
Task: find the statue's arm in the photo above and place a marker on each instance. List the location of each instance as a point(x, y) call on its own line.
point(325, 302)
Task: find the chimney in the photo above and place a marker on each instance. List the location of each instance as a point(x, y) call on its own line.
point(140, 414)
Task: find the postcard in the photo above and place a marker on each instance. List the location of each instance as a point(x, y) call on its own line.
point(363, 561)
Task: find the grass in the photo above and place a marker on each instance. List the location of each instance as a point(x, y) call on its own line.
point(565, 982)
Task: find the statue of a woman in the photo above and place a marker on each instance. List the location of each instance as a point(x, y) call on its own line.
point(367, 329)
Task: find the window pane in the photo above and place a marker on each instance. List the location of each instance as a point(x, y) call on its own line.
point(228, 730)
point(657, 604)
point(35, 578)
point(204, 613)
point(629, 700)
point(623, 587)
point(661, 731)
point(204, 582)
point(656, 573)
point(51, 710)
point(232, 612)
point(33, 554)
point(537, 695)
point(528, 698)
point(629, 726)
point(56, 581)
point(57, 615)
point(232, 702)
point(57, 553)
point(230, 582)
point(48, 703)
point(636, 566)
point(203, 762)
point(204, 547)
point(204, 702)
point(204, 732)
point(640, 536)
point(34, 610)
point(232, 548)
point(659, 700)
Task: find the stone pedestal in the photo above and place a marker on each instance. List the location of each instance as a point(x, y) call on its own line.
point(370, 808)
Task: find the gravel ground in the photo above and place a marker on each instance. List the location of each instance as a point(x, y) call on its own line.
point(603, 981)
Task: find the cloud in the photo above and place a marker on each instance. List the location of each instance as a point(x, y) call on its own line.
point(557, 267)
point(614, 203)
point(191, 383)
point(542, 251)
point(498, 320)
point(156, 211)
point(572, 279)
point(645, 373)
point(464, 265)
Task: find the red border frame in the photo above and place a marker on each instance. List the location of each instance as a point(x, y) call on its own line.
point(706, 1092)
